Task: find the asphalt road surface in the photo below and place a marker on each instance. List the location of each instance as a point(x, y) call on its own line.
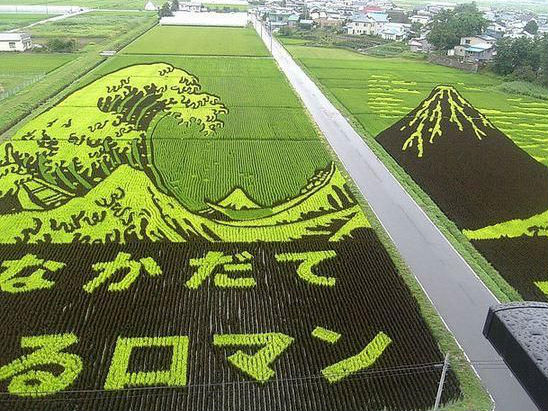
point(459, 296)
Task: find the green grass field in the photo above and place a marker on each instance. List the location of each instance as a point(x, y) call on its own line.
point(19, 69)
point(90, 28)
point(10, 21)
point(380, 91)
point(104, 4)
point(219, 41)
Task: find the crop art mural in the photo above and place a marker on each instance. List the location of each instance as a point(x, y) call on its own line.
point(494, 191)
point(143, 266)
point(84, 171)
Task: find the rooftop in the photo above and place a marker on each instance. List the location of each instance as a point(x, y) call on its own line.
point(13, 36)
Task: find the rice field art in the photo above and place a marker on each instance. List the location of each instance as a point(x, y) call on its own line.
point(494, 191)
point(119, 292)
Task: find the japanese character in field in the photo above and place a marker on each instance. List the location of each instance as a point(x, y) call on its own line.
point(351, 365)
point(122, 263)
point(26, 374)
point(222, 266)
point(257, 365)
point(308, 261)
point(12, 280)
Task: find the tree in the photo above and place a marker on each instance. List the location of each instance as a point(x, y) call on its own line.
point(174, 5)
point(165, 10)
point(416, 29)
point(449, 26)
point(515, 53)
point(542, 49)
point(525, 59)
point(531, 27)
point(443, 35)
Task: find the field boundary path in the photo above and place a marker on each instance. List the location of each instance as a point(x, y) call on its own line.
point(459, 296)
point(50, 19)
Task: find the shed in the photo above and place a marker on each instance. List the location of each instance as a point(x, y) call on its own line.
point(15, 42)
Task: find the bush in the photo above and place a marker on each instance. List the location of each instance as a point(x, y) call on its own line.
point(62, 46)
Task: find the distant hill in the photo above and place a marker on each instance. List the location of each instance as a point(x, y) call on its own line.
point(473, 172)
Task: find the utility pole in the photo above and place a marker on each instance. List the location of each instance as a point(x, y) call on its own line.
point(442, 381)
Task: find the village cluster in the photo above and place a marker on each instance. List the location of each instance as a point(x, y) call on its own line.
point(389, 21)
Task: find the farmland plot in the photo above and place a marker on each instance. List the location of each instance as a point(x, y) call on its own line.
point(20, 70)
point(480, 154)
point(40, 76)
point(10, 21)
point(488, 186)
point(379, 91)
point(197, 41)
point(151, 262)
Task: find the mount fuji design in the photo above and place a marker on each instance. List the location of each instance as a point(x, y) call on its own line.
point(444, 110)
point(473, 172)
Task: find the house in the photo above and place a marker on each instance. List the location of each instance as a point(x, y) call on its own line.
point(306, 24)
point(518, 34)
point(372, 9)
point(150, 6)
point(15, 42)
point(420, 45)
point(329, 22)
point(293, 20)
point(419, 18)
point(280, 17)
point(395, 31)
point(370, 24)
point(475, 49)
point(496, 30)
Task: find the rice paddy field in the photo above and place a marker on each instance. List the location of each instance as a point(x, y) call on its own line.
point(91, 28)
point(379, 91)
point(30, 78)
point(191, 40)
point(10, 21)
point(480, 154)
point(96, 4)
point(176, 235)
point(20, 70)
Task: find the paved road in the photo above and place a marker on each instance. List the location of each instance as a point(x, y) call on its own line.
point(460, 297)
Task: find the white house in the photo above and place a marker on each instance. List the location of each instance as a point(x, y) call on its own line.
point(395, 31)
point(15, 41)
point(475, 48)
point(497, 29)
point(370, 24)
